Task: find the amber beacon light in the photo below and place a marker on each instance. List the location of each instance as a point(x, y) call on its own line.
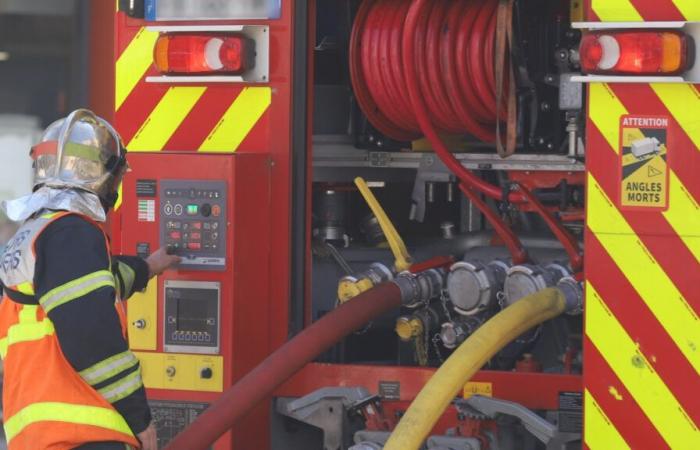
point(192, 54)
point(657, 52)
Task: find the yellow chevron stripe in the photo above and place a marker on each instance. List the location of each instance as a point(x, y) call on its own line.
point(118, 203)
point(165, 119)
point(644, 273)
point(615, 11)
point(599, 431)
point(605, 111)
point(683, 102)
point(637, 374)
point(689, 8)
point(238, 120)
point(132, 64)
point(684, 215)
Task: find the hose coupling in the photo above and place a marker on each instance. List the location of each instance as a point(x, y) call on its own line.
point(573, 294)
point(351, 286)
point(419, 288)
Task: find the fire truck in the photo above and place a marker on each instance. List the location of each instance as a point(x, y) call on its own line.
point(434, 224)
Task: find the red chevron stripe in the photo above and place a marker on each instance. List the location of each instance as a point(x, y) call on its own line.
point(629, 419)
point(657, 10)
point(137, 107)
point(643, 327)
point(202, 119)
point(651, 226)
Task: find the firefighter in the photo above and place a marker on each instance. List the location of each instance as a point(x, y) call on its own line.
point(70, 379)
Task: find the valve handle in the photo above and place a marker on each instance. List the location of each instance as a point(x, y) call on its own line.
point(403, 260)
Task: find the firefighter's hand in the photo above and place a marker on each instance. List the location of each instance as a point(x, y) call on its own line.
point(148, 438)
point(160, 261)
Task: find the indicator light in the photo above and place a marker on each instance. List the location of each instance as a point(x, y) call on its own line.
point(636, 52)
point(192, 210)
point(192, 54)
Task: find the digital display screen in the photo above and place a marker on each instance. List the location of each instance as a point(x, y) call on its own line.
point(191, 321)
point(192, 210)
point(192, 315)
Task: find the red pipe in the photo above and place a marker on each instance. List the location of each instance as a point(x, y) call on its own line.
point(569, 242)
point(517, 252)
point(259, 383)
point(438, 262)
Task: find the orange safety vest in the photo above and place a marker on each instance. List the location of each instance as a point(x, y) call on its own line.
point(46, 403)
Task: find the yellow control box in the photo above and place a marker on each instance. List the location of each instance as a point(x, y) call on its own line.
point(182, 372)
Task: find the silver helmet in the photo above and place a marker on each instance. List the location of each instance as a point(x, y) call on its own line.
point(81, 151)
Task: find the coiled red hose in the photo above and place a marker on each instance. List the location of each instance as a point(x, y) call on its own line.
point(425, 67)
point(454, 44)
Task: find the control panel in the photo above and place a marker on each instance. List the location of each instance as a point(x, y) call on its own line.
point(196, 328)
point(191, 318)
point(193, 220)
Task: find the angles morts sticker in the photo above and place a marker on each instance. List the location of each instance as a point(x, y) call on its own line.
point(644, 166)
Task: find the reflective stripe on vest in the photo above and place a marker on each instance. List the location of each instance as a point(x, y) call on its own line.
point(65, 412)
point(27, 329)
point(76, 289)
point(122, 388)
point(109, 367)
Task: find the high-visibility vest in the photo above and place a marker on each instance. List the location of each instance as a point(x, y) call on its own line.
point(46, 403)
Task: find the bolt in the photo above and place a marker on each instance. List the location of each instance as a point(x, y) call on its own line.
point(638, 362)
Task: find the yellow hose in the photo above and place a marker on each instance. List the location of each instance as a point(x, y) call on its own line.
point(450, 378)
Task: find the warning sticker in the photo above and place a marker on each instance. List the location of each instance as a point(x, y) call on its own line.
point(644, 165)
point(147, 211)
point(478, 388)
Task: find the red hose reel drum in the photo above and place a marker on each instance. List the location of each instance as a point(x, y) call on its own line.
point(455, 64)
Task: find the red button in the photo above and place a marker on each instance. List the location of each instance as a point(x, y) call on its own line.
point(216, 210)
point(194, 246)
point(175, 235)
point(197, 225)
point(196, 236)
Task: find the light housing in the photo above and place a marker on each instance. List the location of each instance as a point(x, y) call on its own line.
point(635, 52)
point(204, 53)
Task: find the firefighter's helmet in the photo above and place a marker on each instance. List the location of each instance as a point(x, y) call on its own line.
point(81, 151)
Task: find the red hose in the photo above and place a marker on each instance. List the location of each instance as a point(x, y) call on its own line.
point(259, 383)
point(440, 53)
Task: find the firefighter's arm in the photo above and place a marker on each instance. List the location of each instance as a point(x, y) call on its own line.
point(132, 273)
point(77, 290)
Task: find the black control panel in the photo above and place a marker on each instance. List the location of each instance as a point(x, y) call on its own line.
point(191, 316)
point(193, 222)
